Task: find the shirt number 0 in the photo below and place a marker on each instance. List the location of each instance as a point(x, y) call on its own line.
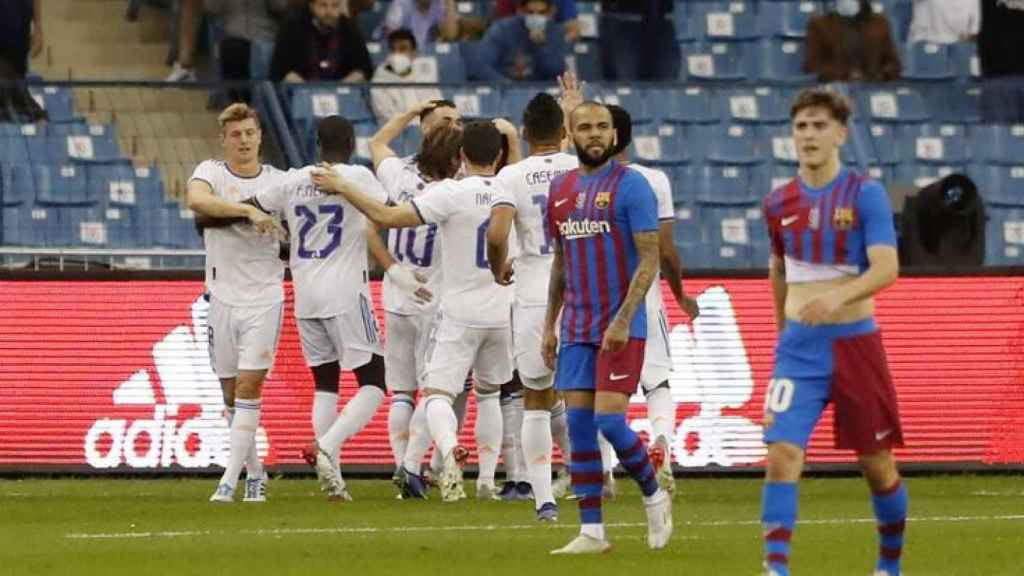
point(780, 394)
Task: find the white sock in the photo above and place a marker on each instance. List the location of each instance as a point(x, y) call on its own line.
point(511, 445)
point(437, 457)
point(253, 465)
point(459, 406)
point(661, 411)
point(488, 435)
point(560, 429)
point(537, 454)
point(356, 414)
point(419, 439)
point(399, 417)
point(325, 412)
point(442, 423)
point(608, 459)
point(593, 530)
point(243, 435)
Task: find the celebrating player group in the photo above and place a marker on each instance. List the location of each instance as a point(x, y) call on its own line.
point(533, 283)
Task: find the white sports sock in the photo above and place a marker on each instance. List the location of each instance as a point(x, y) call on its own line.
point(608, 459)
point(325, 412)
point(243, 435)
point(511, 445)
point(488, 435)
point(253, 465)
point(593, 530)
point(560, 429)
point(442, 423)
point(661, 411)
point(356, 414)
point(537, 453)
point(459, 406)
point(399, 417)
point(419, 439)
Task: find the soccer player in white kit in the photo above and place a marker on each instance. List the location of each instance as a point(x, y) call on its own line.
point(661, 408)
point(333, 307)
point(244, 282)
point(473, 332)
point(523, 203)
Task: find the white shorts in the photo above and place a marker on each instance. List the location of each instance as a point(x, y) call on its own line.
point(349, 338)
point(528, 339)
point(406, 351)
point(242, 337)
point(455, 349)
point(657, 356)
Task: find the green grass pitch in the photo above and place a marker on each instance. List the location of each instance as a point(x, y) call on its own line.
point(960, 525)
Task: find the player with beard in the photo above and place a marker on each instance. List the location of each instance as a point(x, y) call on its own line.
point(603, 221)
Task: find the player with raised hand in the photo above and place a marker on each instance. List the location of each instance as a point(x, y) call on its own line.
point(473, 332)
point(603, 221)
point(243, 283)
point(661, 409)
point(833, 248)
point(523, 203)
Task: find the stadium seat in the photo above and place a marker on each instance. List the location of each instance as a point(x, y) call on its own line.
point(309, 102)
point(729, 184)
point(964, 57)
point(884, 173)
point(682, 181)
point(363, 131)
point(894, 106)
point(787, 18)
point(589, 20)
point(999, 185)
point(691, 105)
point(729, 235)
point(760, 244)
point(723, 21)
point(925, 61)
point(685, 24)
point(586, 62)
point(885, 146)
point(726, 144)
point(783, 61)
point(112, 184)
point(149, 188)
point(471, 8)
point(720, 62)
point(13, 149)
point(479, 101)
point(632, 99)
point(17, 186)
point(756, 105)
point(921, 175)
point(174, 227)
point(997, 143)
point(515, 99)
point(665, 145)
point(955, 103)
point(1004, 236)
point(370, 20)
point(60, 185)
point(446, 59)
point(935, 144)
point(778, 139)
point(58, 102)
point(27, 226)
point(688, 236)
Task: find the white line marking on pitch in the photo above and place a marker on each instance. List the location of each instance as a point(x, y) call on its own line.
point(494, 527)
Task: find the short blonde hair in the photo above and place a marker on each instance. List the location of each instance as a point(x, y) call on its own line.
point(238, 112)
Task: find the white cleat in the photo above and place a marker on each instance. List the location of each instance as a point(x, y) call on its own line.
point(659, 519)
point(562, 485)
point(584, 544)
point(661, 458)
point(256, 489)
point(451, 475)
point(487, 492)
point(224, 493)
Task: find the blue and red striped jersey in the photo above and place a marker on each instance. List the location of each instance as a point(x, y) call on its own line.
point(832, 225)
point(593, 218)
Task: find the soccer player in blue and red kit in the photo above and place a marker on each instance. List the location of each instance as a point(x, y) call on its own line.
point(833, 248)
point(603, 221)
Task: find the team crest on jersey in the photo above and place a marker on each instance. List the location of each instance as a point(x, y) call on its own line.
point(813, 218)
point(842, 218)
point(602, 200)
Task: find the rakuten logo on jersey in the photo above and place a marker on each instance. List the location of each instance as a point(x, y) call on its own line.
point(573, 229)
point(185, 378)
point(710, 368)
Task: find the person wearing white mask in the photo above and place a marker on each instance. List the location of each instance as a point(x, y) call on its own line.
point(851, 43)
point(528, 47)
point(402, 66)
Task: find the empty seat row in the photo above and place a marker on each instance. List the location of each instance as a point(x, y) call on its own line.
point(115, 184)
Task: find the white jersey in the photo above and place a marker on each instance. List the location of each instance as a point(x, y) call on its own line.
point(462, 209)
point(663, 193)
point(242, 267)
point(328, 239)
point(525, 185)
point(417, 247)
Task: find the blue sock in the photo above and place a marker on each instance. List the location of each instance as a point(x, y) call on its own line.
point(585, 464)
point(778, 518)
point(630, 449)
point(891, 511)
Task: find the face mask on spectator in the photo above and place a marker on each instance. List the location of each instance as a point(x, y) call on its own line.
point(400, 63)
point(536, 23)
point(848, 8)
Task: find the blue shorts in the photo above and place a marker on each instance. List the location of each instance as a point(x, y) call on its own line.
point(582, 366)
point(839, 363)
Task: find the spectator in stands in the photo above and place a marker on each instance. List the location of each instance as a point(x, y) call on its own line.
point(945, 21)
point(16, 104)
point(566, 14)
point(638, 40)
point(529, 46)
point(320, 44)
point(429, 20)
point(1000, 49)
point(190, 12)
point(248, 45)
point(851, 43)
point(21, 33)
point(399, 68)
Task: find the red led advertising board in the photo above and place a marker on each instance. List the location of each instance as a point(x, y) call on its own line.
point(114, 376)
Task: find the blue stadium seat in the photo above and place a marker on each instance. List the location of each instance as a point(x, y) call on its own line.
point(370, 20)
point(884, 173)
point(17, 186)
point(726, 144)
point(783, 61)
point(899, 105)
point(665, 145)
point(682, 181)
point(777, 175)
point(688, 235)
point(44, 149)
point(481, 101)
point(921, 175)
point(723, 21)
point(364, 131)
point(586, 61)
point(84, 227)
point(966, 64)
point(999, 185)
point(61, 185)
point(934, 143)
point(899, 13)
point(149, 188)
point(13, 149)
point(729, 184)
point(756, 105)
point(788, 18)
point(58, 102)
point(760, 244)
point(174, 227)
point(777, 140)
point(472, 8)
point(685, 24)
point(691, 105)
point(446, 58)
point(589, 20)
point(123, 228)
point(1004, 236)
point(515, 99)
point(628, 97)
point(997, 143)
point(885, 145)
point(20, 228)
point(112, 184)
point(925, 61)
point(728, 235)
point(309, 102)
point(954, 102)
point(720, 62)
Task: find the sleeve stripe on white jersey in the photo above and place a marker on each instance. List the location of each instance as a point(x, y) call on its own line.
point(418, 213)
point(503, 203)
point(203, 180)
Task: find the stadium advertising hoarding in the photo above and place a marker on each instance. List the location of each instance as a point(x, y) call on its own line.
point(114, 376)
